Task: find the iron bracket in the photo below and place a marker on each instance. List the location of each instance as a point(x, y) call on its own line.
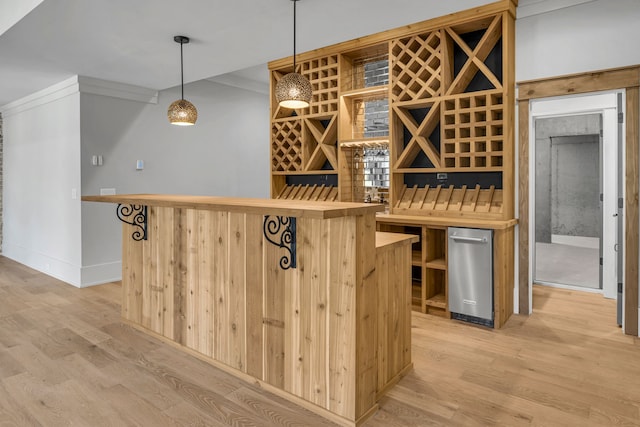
point(285, 226)
point(135, 215)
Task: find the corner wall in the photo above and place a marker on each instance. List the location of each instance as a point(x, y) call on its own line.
point(51, 136)
point(41, 186)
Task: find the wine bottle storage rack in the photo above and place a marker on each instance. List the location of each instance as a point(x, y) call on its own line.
point(416, 67)
point(313, 193)
point(473, 131)
point(446, 201)
point(319, 142)
point(448, 84)
point(286, 146)
point(322, 73)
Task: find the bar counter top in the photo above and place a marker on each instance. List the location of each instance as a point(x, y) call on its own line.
point(294, 208)
point(446, 221)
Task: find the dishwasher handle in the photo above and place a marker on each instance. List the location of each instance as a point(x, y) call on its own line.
point(468, 239)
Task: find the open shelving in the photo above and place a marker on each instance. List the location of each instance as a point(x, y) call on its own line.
point(437, 98)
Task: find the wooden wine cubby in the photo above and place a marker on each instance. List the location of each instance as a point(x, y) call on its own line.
point(449, 92)
point(429, 266)
point(416, 65)
point(286, 146)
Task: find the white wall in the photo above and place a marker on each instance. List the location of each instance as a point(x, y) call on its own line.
point(41, 167)
point(50, 137)
point(585, 37)
point(225, 154)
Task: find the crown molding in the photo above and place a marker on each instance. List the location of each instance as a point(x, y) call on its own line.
point(80, 84)
point(241, 83)
point(538, 7)
point(117, 90)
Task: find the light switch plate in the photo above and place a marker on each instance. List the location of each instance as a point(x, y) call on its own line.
point(139, 165)
point(107, 191)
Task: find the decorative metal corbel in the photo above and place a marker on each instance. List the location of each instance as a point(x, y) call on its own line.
point(273, 225)
point(135, 215)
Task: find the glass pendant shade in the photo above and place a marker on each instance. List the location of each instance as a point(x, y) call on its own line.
point(182, 113)
point(293, 91)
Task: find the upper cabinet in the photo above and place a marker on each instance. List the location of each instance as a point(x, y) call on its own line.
point(420, 118)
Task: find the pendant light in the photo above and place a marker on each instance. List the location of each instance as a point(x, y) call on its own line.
point(182, 112)
point(294, 90)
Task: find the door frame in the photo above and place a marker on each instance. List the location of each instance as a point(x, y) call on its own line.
point(627, 79)
point(606, 105)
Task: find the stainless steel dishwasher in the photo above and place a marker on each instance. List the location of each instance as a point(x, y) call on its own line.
point(470, 261)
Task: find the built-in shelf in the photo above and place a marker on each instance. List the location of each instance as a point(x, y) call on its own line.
point(429, 284)
point(438, 264)
point(437, 301)
point(366, 92)
point(364, 142)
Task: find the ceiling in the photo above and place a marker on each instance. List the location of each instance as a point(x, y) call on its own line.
point(132, 41)
point(43, 42)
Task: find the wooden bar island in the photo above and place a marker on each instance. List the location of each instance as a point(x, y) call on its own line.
point(278, 292)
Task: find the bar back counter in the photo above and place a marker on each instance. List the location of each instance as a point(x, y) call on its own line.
point(280, 292)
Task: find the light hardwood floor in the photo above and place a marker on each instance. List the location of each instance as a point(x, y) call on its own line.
point(65, 359)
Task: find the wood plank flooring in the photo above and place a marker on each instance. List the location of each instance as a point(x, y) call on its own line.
point(65, 359)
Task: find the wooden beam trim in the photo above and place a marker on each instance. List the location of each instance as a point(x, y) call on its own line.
point(612, 79)
point(523, 216)
point(631, 212)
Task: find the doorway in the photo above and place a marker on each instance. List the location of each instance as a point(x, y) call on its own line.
point(623, 80)
point(574, 143)
point(568, 211)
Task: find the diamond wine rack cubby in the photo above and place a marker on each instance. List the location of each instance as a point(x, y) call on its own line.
point(436, 97)
point(416, 66)
point(286, 146)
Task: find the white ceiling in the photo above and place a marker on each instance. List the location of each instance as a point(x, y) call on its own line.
point(131, 41)
point(43, 42)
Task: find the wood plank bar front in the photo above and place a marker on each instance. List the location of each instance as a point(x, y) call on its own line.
point(208, 281)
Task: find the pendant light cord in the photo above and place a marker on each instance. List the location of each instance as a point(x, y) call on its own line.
point(294, 35)
point(181, 71)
